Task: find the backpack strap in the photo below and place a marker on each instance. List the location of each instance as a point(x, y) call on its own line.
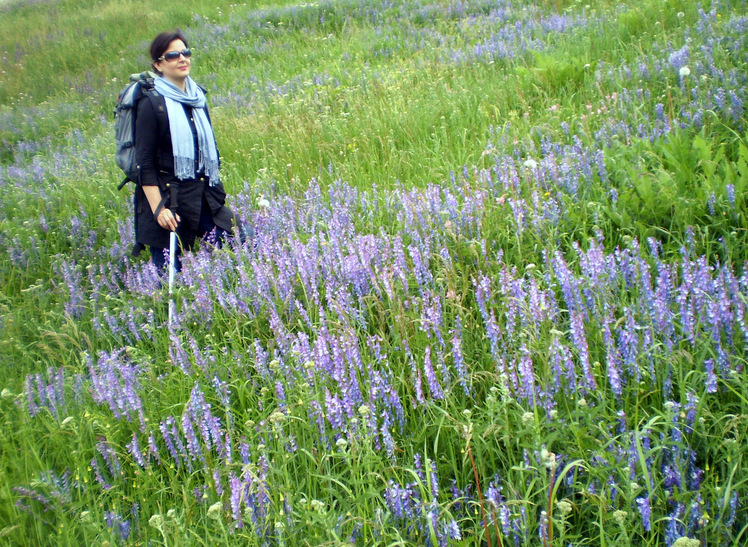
point(157, 100)
point(121, 185)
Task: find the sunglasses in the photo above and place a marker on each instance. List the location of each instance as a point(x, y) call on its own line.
point(174, 55)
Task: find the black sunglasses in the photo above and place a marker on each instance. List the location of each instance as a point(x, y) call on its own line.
point(174, 55)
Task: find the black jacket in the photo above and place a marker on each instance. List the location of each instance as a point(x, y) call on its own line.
point(155, 157)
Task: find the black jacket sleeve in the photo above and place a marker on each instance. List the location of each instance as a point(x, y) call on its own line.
point(147, 142)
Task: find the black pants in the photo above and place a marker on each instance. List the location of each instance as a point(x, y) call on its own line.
point(187, 232)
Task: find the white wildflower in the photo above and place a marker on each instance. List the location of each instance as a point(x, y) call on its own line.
point(564, 507)
point(157, 522)
point(620, 516)
point(215, 511)
point(686, 542)
point(277, 417)
point(548, 459)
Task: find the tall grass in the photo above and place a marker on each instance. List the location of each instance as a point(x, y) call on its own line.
point(495, 292)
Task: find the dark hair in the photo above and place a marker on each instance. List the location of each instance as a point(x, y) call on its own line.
point(160, 43)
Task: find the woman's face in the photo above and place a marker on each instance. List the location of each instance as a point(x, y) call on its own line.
point(175, 70)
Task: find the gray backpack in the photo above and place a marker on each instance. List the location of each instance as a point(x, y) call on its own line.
point(125, 110)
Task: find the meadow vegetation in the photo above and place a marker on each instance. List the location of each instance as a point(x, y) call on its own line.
point(496, 291)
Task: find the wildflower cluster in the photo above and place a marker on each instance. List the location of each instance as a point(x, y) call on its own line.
point(593, 336)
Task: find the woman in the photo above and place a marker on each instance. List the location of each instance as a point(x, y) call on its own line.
point(179, 187)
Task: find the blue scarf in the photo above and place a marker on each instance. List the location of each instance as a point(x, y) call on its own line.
point(181, 134)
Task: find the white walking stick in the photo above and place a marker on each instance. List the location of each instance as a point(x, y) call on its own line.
point(172, 267)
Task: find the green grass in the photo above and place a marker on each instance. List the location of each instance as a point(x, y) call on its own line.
point(523, 190)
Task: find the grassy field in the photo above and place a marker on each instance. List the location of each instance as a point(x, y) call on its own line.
point(496, 294)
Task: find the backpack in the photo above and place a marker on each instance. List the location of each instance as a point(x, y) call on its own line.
point(125, 111)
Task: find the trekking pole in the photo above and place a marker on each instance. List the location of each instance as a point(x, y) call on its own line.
point(172, 267)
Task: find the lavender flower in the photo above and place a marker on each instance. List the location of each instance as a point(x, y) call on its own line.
point(675, 528)
point(736, 107)
point(236, 487)
point(46, 393)
point(711, 378)
point(431, 379)
point(115, 383)
point(110, 457)
point(733, 506)
point(645, 511)
point(730, 188)
point(119, 525)
point(580, 341)
point(457, 357)
point(527, 376)
point(134, 448)
point(679, 58)
point(543, 530)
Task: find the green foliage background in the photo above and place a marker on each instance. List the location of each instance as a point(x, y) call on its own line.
point(376, 99)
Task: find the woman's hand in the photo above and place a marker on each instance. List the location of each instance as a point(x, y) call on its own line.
point(168, 220)
point(165, 218)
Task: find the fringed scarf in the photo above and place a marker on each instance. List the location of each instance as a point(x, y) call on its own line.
point(181, 134)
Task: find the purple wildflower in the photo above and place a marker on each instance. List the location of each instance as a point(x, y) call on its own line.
point(237, 491)
point(459, 360)
point(527, 375)
point(110, 457)
point(73, 278)
point(675, 528)
point(134, 448)
point(431, 379)
point(679, 58)
point(217, 483)
point(114, 382)
point(720, 99)
point(99, 474)
point(736, 106)
point(120, 526)
point(48, 394)
point(31, 495)
point(646, 512)
point(580, 341)
point(730, 188)
point(711, 377)
point(734, 504)
point(543, 530)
